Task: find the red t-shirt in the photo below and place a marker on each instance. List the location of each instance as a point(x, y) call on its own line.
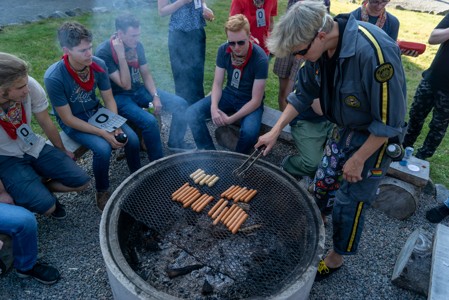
point(247, 8)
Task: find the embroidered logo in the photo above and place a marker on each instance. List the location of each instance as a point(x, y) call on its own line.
point(352, 101)
point(384, 72)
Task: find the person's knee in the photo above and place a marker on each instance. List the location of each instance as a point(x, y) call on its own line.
point(25, 220)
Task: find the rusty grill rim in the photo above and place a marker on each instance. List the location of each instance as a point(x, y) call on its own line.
point(112, 252)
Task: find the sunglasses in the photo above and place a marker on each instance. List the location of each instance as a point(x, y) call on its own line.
point(305, 50)
point(240, 43)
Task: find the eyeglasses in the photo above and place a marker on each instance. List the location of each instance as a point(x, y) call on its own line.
point(376, 2)
point(305, 50)
point(240, 43)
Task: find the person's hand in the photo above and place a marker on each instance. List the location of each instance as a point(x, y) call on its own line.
point(70, 154)
point(6, 198)
point(352, 169)
point(412, 53)
point(110, 138)
point(224, 118)
point(217, 118)
point(119, 48)
point(157, 105)
point(208, 14)
point(268, 140)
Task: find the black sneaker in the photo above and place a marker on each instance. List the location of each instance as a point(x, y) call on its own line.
point(42, 273)
point(182, 147)
point(437, 214)
point(59, 212)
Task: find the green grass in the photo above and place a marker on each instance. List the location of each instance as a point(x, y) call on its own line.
point(37, 44)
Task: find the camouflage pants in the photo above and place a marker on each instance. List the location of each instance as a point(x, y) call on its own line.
point(424, 101)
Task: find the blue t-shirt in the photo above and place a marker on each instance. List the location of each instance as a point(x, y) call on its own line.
point(62, 89)
point(256, 68)
point(105, 53)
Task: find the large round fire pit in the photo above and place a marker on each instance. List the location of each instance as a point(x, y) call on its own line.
point(154, 248)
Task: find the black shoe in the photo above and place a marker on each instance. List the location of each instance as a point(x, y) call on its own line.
point(42, 273)
point(324, 271)
point(59, 212)
point(437, 214)
point(182, 147)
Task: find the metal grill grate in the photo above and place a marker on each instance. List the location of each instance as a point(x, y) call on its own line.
point(261, 263)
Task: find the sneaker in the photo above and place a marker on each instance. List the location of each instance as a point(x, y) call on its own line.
point(182, 147)
point(437, 214)
point(59, 213)
point(41, 272)
point(102, 198)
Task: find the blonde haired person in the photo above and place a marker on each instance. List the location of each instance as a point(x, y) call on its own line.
point(356, 71)
point(244, 65)
point(25, 157)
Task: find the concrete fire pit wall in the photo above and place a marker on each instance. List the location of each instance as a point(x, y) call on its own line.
point(126, 284)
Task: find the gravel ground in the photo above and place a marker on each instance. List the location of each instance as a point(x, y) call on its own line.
point(72, 245)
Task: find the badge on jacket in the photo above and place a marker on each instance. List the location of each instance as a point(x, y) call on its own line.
point(384, 72)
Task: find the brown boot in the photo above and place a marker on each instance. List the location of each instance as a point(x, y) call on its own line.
point(102, 198)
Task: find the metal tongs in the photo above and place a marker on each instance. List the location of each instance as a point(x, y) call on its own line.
point(249, 162)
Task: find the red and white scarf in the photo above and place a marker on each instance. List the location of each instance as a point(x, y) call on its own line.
point(381, 19)
point(13, 119)
point(89, 84)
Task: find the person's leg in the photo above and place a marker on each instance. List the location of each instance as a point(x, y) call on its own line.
point(66, 175)
point(178, 107)
point(187, 57)
point(25, 185)
point(101, 151)
point(352, 200)
point(309, 138)
point(132, 148)
point(281, 68)
point(20, 224)
point(437, 126)
point(131, 109)
point(196, 116)
point(423, 103)
point(249, 131)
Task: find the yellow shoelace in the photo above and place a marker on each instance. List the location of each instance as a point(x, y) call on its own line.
point(322, 268)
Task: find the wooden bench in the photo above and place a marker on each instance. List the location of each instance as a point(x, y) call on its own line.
point(77, 149)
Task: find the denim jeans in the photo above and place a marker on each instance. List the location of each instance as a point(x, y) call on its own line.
point(20, 224)
point(130, 104)
point(101, 150)
point(187, 51)
point(249, 125)
point(21, 177)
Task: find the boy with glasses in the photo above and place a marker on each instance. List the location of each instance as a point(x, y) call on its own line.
point(245, 67)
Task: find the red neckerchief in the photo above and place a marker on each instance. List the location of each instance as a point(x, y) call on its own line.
point(10, 127)
point(130, 54)
point(248, 56)
point(88, 85)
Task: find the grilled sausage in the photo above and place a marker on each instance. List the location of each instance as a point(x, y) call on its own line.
point(214, 208)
